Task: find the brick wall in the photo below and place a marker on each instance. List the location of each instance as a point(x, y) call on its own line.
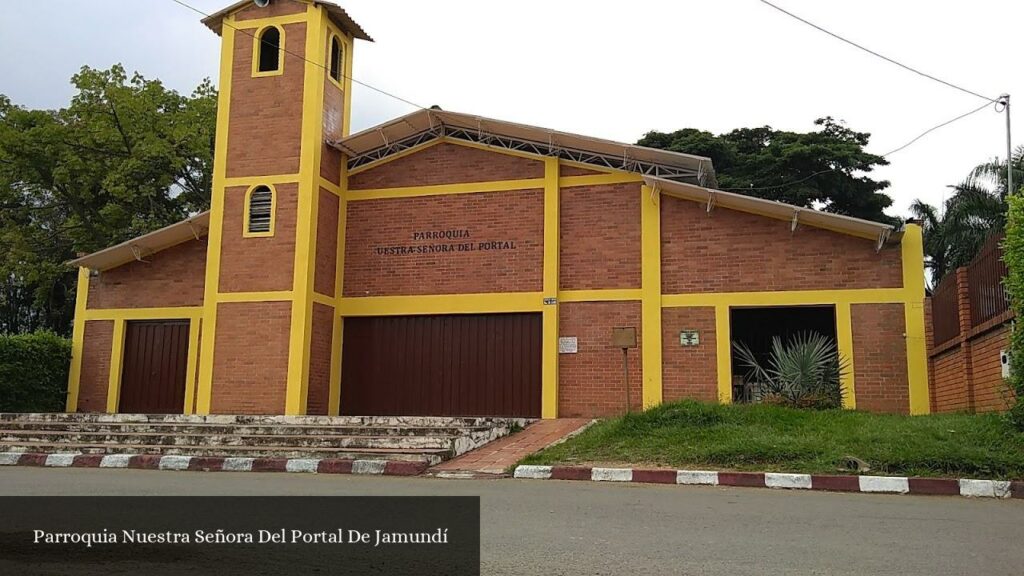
point(95, 376)
point(689, 372)
point(755, 253)
point(318, 393)
point(516, 217)
point(948, 390)
point(171, 277)
point(250, 361)
point(261, 263)
point(599, 237)
point(880, 357)
point(990, 391)
point(326, 244)
point(265, 125)
point(333, 126)
point(277, 8)
point(447, 164)
point(590, 381)
point(567, 170)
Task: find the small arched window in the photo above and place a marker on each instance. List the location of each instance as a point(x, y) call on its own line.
point(259, 212)
point(268, 54)
point(337, 59)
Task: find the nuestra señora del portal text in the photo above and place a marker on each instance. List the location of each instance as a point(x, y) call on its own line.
point(444, 241)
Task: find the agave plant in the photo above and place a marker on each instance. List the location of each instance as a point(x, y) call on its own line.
point(805, 372)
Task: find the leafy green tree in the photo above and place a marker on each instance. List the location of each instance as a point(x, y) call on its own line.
point(126, 156)
point(822, 169)
point(976, 210)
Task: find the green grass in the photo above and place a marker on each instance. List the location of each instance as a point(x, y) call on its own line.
point(769, 438)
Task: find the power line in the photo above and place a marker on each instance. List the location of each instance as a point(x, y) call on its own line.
point(303, 58)
point(886, 155)
point(873, 53)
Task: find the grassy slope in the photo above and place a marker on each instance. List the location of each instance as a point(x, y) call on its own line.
point(693, 435)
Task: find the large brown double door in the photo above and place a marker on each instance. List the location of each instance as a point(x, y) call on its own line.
point(450, 365)
point(155, 363)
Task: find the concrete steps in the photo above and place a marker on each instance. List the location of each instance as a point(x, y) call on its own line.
point(430, 440)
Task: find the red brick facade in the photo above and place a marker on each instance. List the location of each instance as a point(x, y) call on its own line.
point(250, 362)
point(446, 164)
point(599, 237)
point(171, 277)
point(326, 244)
point(590, 382)
point(880, 357)
point(320, 360)
point(689, 371)
point(95, 376)
point(497, 245)
point(752, 253)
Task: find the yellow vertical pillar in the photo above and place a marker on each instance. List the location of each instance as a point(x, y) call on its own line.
point(204, 391)
point(650, 294)
point(308, 202)
point(77, 340)
point(723, 353)
point(844, 333)
point(116, 363)
point(334, 396)
point(549, 355)
point(913, 310)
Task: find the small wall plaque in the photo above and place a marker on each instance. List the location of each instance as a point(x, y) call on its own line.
point(567, 345)
point(550, 301)
point(624, 337)
point(689, 338)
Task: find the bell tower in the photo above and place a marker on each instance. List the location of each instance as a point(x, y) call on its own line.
point(270, 330)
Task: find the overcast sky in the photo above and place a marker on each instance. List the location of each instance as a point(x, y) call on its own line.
point(610, 69)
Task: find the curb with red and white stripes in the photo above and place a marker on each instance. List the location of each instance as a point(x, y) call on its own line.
point(214, 464)
point(872, 484)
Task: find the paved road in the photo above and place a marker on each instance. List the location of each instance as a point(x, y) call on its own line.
point(552, 527)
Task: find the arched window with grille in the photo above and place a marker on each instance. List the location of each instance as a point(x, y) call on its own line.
point(268, 48)
point(260, 204)
point(337, 59)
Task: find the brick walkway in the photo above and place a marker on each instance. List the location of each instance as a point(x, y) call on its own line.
point(495, 457)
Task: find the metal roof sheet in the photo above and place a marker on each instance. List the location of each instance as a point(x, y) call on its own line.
point(191, 228)
point(337, 13)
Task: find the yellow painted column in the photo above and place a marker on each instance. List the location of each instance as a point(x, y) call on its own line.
point(338, 330)
point(913, 309)
point(650, 294)
point(844, 333)
point(723, 353)
point(204, 392)
point(194, 327)
point(308, 202)
point(77, 340)
point(116, 363)
point(549, 354)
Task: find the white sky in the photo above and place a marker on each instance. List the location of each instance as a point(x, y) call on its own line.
point(608, 69)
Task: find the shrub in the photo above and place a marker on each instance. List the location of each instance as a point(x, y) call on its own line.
point(1013, 256)
point(34, 372)
point(806, 372)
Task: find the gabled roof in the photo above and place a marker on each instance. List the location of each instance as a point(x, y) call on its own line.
point(191, 228)
point(421, 126)
point(337, 14)
point(799, 216)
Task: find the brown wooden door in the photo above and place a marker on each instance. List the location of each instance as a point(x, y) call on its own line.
point(153, 373)
point(455, 365)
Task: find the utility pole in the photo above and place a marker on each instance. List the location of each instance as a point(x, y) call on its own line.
point(1005, 101)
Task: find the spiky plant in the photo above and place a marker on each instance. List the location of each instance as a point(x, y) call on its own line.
point(805, 372)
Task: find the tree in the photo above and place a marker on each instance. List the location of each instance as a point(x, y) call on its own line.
point(976, 210)
point(821, 169)
point(126, 156)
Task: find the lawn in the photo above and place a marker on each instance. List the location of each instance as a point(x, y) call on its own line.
point(695, 435)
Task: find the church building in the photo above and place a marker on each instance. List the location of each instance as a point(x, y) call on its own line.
point(447, 264)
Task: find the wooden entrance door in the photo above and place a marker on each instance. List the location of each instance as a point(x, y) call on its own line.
point(153, 373)
point(452, 365)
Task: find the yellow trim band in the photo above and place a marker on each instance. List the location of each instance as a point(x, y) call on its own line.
point(549, 311)
point(442, 304)
point(650, 291)
point(276, 296)
point(785, 298)
point(116, 365)
point(237, 181)
point(604, 295)
point(169, 313)
point(270, 20)
point(77, 340)
point(723, 353)
point(844, 337)
point(913, 310)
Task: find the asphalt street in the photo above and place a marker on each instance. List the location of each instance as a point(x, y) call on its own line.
point(555, 527)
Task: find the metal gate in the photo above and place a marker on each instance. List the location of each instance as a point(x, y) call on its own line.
point(454, 365)
point(153, 373)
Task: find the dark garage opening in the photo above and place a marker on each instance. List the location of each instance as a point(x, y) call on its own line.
point(756, 327)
